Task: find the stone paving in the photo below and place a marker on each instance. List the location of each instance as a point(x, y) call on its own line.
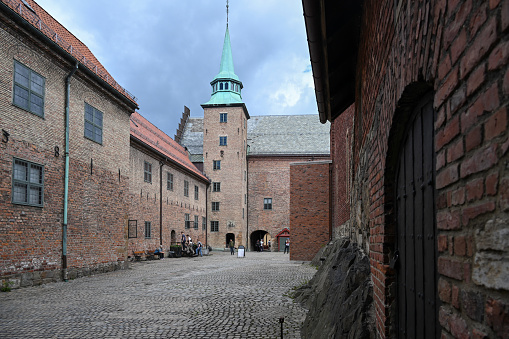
point(217, 296)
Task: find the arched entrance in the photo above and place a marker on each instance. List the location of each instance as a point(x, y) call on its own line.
point(255, 236)
point(416, 250)
point(230, 236)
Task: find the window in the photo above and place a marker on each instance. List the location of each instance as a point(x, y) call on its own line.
point(215, 206)
point(267, 203)
point(242, 212)
point(217, 164)
point(216, 187)
point(27, 183)
point(223, 141)
point(245, 198)
point(147, 175)
point(196, 192)
point(93, 124)
point(203, 223)
point(169, 181)
point(147, 229)
point(221, 86)
point(132, 229)
point(196, 218)
point(214, 226)
point(187, 223)
point(223, 117)
point(28, 89)
point(186, 188)
point(226, 85)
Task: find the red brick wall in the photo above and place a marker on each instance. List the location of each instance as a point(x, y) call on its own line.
point(144, 204)
point(309, 208)
point(31, 237)
point(269, 177)
point(457, 50)
point(341, 153)
point(231, 175)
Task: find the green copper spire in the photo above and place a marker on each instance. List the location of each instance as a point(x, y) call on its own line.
point(226, 86)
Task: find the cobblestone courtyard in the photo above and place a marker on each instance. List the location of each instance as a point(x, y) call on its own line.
point(218, 296)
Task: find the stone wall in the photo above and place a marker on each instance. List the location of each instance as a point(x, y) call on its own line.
point(309, 208)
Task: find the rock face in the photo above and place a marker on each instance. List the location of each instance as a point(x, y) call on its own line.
point(339, 297)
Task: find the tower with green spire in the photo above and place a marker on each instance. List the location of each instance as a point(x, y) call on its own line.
point(224, 154)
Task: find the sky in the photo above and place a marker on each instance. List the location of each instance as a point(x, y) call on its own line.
point(166, 52)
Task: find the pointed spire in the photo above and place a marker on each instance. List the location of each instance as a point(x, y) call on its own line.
point(226, 85)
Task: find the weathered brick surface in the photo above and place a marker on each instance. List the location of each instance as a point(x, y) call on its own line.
point(457, 50)
point(309, 208)
point(232, 175)
point(31, 237)
point(145, 203)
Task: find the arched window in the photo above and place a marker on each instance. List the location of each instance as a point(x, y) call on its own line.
point(221, 86)
point(226, 85)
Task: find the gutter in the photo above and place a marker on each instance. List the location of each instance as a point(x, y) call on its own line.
point(66, 170)
point(22, 22)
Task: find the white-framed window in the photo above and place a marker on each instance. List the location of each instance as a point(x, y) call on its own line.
point(223, 140)
point(217, 165)
point(215, 206)
point(216, 187)
point(223, 117)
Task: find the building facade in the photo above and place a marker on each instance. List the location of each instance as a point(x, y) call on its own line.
point(167, 193)
point(427, 85)
point(248, 160)
point(64, 153)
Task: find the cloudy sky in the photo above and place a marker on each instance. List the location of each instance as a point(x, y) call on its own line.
point(166, 52)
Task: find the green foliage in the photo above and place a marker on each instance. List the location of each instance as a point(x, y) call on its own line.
point(6, 286)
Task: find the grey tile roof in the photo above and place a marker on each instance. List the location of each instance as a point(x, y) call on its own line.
point(288, 134)
point(192, 138)
point(271, 135)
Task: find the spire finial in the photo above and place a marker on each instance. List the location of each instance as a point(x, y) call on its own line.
point(227, 6)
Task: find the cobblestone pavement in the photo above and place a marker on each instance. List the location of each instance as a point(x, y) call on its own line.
point(217, 296)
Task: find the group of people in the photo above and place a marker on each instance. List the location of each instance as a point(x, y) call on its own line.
point(187, 241)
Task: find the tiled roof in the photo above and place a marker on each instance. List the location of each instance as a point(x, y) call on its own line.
point(46, 24)
point(145, 132)
point(287, 135)
point(192, 138)
point(272, 135)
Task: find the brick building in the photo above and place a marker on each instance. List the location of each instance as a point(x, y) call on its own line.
point(310, 204)
point(64, 158)
point(167, 193)
point(248, 160)
point(417, 93)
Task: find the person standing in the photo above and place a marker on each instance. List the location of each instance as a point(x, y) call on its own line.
point(287, 246)
point(261, 245)
point(232, 251)
point(183, 240)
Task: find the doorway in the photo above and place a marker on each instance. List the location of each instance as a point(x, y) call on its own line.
point(229, 236)
point(416, 229)
point(257, 236)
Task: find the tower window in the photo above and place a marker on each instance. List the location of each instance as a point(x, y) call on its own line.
point(267, 203)
point(221, 86)
point(226, 85)
point(215, 206)
point(217, 165)
point(216, 187)
point(223, 141)
point(223, 117)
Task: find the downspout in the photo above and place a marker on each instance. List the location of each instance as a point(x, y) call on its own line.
point(161, 164)
point(66, 171)
point(207, 217)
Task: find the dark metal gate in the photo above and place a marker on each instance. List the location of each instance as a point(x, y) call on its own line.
point(416, 244)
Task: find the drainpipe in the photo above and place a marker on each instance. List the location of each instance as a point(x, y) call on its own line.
point(161, 164)
point(207, 217)
point(66, 182)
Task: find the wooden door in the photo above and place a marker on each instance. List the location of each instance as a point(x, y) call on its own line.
point(416, 242)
